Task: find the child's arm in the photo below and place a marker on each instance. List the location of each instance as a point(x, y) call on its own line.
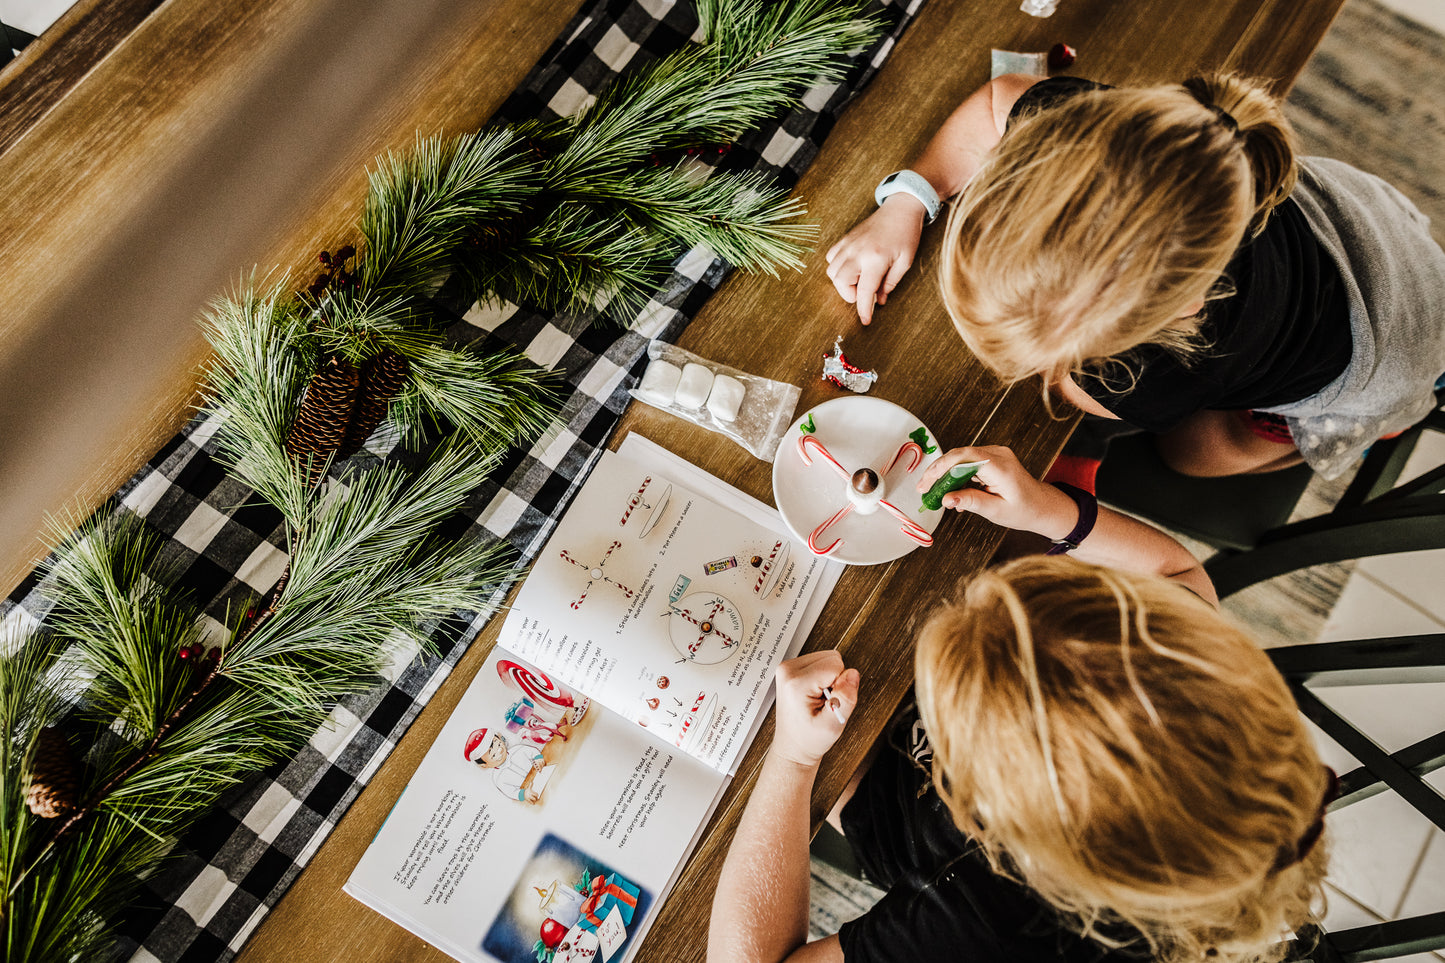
point(1013, 498)
point(760, 910)
point(872, 258)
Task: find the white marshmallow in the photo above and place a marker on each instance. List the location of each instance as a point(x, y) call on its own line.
point(694, 386)
point(726, 398)
point(659, 383)
point(866, 503)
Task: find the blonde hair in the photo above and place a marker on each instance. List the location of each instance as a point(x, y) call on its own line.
point(1096, 225)
point(1118, 746)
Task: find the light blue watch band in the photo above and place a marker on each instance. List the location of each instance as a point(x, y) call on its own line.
point(913, 183)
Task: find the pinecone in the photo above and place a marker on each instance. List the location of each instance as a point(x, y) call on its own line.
point(381, 380)
point(54, 776)
point(322, 417)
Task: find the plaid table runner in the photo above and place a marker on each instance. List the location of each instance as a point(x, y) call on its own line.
point(238, 860)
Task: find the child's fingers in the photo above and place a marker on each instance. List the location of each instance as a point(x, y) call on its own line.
point(947, 460)
point(895, 273)
point(868, 283)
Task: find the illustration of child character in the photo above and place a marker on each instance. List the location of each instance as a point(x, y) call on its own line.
point(514, 768)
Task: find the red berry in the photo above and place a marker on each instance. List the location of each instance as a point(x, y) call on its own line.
point(325, 257)
point(1062, 56)
point(184, 653)
point(346, 253)
point(214, 655)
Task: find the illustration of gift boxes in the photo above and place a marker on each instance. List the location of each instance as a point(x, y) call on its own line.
point(523, 721)
point(605, 893)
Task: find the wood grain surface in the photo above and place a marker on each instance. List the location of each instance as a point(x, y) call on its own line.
point(223, 133)
point(780, 328)
point(221, 137)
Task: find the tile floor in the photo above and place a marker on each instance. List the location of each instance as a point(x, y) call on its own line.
point(1388, 861)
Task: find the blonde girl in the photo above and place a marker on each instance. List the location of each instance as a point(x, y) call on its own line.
point(1159, 255)
point(1100, 767)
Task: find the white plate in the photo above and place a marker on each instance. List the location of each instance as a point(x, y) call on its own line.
point(859, 432)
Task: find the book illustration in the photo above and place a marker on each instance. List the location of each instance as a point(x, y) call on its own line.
point(537, 733)
point(771, 567)
point(651, 507)
point(595, 573)
point(705, 628)
point(762, 567)
point(566, 907)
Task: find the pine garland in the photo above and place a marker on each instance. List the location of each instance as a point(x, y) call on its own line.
point(584, 215)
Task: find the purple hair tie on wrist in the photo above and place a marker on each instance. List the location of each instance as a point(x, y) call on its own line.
point(1088, 515)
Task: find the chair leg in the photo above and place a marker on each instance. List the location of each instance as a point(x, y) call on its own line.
point(1380, 528)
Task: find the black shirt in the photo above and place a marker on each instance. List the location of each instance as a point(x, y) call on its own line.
point(944, 902)
point(1283, 335)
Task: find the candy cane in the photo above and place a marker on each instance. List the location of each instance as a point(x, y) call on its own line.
point(813, 538)
point(913, 450)
point(634, 500)
point(766, 567)
point(909, 527)
point(805, 441)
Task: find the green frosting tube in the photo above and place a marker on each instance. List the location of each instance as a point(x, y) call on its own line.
point(951, 480)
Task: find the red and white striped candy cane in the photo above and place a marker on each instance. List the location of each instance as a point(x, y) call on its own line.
point(909, 527)
point(811, 441)
point(634, 500)
point(766, 567)
point(913, 450)
point(813, 538)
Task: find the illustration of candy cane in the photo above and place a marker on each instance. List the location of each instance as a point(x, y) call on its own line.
point(596, 574)
point(705, 627)
point(634, 500)
point(766, 567)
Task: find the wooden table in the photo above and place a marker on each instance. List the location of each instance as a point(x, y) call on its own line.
point(202, 54)
point(779, 328)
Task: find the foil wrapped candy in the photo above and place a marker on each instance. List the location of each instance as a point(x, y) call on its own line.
point(844, 374)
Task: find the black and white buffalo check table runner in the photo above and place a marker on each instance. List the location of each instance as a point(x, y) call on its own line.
point(240, 858)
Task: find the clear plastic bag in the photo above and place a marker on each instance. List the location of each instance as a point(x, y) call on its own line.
point(764, 414)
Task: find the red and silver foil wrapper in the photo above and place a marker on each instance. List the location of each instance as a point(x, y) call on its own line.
point(838, 370)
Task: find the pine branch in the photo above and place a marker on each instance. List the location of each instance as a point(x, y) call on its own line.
point(363, 577)
point(578, 261)
point(737, 216)
point(423, 203)
point(254, 386)
point(758, 60)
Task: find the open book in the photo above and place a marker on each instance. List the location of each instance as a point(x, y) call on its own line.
point(558, 804)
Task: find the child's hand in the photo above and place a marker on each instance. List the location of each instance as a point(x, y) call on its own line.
point(870, 260)
point(808, 722)
point(1010, 496)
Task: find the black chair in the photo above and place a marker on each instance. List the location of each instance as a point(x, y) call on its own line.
point(1404, 659)
point(12, 41)
point(1245, 516)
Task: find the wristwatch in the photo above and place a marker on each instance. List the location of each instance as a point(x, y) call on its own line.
point(909, 182)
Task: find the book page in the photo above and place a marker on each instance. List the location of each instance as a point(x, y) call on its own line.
point(538, 819)
point(666, 606)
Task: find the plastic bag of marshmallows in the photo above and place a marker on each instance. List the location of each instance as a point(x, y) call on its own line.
point(752, 411)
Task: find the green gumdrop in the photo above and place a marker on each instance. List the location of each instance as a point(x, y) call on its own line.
point(951, 480)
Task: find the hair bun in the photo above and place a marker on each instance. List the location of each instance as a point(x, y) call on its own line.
point(1255, 117)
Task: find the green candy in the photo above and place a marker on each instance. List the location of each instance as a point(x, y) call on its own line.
point(951, 480)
